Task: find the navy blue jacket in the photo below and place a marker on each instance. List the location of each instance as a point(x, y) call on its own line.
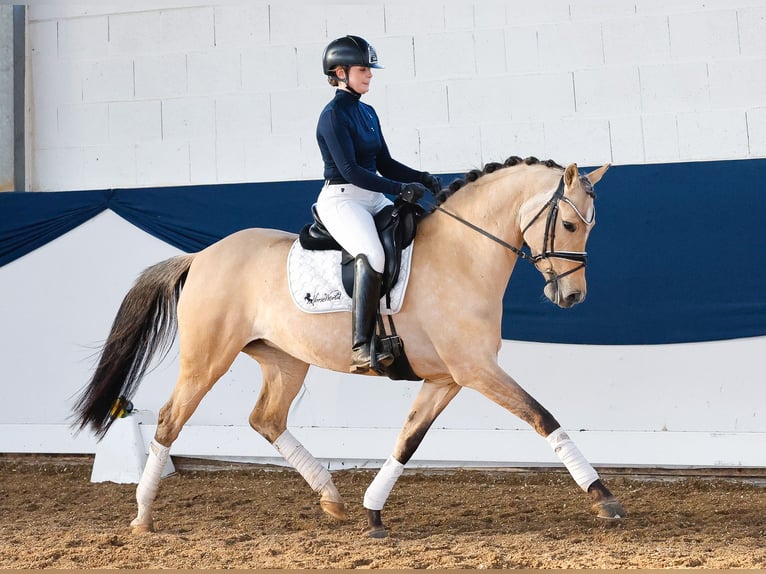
point(353, 148)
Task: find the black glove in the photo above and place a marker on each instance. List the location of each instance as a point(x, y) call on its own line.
point(412, 192)
point(432, 182)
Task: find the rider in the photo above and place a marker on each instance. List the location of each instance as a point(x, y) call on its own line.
point(354, 152)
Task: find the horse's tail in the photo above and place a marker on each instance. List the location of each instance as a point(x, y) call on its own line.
point(145, 323)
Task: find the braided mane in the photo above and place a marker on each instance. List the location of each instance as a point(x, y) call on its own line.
point(475, 174)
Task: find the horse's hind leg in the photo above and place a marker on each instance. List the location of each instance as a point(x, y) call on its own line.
point(283, 376)
point(431, 400)
point(195, 379)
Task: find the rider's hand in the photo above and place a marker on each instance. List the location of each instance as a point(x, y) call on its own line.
point(412, 192)
point(432, 182)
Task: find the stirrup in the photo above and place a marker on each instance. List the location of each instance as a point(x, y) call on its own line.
point(361, 360)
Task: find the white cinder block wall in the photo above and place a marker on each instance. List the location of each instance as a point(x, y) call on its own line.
point(128, 94)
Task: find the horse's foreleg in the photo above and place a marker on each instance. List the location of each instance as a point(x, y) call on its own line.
point(502, 389)
point(283, 376)
point(431, 400)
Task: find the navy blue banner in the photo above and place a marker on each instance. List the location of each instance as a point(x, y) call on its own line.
point(677, 254)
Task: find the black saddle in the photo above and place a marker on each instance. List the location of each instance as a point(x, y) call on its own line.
point(396, 225)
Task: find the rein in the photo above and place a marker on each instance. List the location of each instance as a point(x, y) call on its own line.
point(550, 234)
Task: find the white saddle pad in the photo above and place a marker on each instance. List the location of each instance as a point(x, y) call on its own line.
point(315, 281)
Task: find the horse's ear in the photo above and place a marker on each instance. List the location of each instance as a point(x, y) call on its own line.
point(571, 174)
point(597, 174)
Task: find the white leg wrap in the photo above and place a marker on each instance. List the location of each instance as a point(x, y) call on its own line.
point(150, 478)
point(301, 460)
point(380, 487)
point(580, 469)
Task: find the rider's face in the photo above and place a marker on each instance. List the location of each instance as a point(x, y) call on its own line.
point(359, 78)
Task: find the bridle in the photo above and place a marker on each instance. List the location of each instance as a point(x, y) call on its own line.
point(552, 205)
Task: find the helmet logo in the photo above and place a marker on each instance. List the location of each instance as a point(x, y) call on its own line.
point(373, 55)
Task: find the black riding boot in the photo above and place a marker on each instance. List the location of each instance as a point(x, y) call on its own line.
point(364, 306)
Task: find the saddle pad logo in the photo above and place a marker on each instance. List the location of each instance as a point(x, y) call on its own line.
point(315, 283)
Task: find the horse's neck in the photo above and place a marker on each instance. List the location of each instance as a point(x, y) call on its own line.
point(493, 203)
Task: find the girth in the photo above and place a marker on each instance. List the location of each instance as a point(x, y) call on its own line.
point(396, 225)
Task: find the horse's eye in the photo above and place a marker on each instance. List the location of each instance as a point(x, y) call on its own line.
point(569, 226)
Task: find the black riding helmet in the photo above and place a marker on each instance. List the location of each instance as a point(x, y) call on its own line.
point(346, 52)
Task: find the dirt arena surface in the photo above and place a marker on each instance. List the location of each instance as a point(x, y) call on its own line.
point(247, 517)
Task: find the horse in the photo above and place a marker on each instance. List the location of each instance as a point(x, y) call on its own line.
point(232, 297)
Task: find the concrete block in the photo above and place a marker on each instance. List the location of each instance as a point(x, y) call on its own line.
point(202, 161)
point(584, 141)
point(108, 80)
point(285, 120)
point(160, 76)
point(56, 81)
point(135, 33)
point(241, 25)
point(417, 19)
point(704, 35)
point(270, 68)
point(404, 145)
point(135, 121)
point(265, 157)
point(83, 37)
point(534, 13)
point(489, 15)
point(756, 128)
point(522, 54)
point(665, 8)
point(737, 83)
point(450, 149)
point(230, 159)
point(242, 115)
point(717, 134)
point(459, 16)
point(188, 118)
point(57, 169)
point(398, 56)
point(444, 56)
point(45, 125)
point(499, 141)
point(627, 139)
point(490, 52)
point(290, 21)
point(660, 137)
point(752, 31)
point(43, 40)
point(308, 62)
point(363, 19)
point(214, 72)
point(541, 96)
point(83, 124)
point(674, 87)
point(487, 101)
point(610, 90)
point(162, 163)
point(311, 165)
point(187, 29)
point(641, 39)
point(570, 46)
point(415, 105)
point(109, 166)
point(600, 10)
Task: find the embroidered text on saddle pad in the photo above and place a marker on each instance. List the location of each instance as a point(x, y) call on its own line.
point(316, 286)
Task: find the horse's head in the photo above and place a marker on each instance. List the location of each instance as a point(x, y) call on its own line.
point(555, 226)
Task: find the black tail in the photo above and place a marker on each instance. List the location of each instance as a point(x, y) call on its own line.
point(145, 323)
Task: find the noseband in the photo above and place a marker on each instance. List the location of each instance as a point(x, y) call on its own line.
point(548, 251)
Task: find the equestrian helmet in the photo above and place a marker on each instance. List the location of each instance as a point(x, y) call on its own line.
point(346, 52)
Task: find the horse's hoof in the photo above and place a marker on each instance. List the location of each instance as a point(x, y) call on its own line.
point(335, 509)
point(376, 532)
point(141, 527)
point(610, 510)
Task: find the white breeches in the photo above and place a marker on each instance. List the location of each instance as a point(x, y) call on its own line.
point(346, 211)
